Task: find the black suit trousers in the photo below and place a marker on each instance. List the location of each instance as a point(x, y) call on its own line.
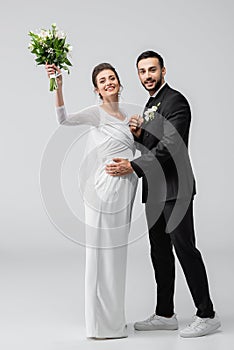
point(182, 239)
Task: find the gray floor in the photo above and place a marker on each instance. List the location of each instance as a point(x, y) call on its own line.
point(42, 303)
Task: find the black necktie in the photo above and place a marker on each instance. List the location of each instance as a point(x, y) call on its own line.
point(149, 102)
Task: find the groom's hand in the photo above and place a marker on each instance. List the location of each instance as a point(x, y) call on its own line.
point(119, 168)
point(135, 123)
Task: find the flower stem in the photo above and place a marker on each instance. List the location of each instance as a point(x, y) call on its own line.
point(53, 84)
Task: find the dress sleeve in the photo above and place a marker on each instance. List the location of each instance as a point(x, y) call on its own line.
point(87, 116)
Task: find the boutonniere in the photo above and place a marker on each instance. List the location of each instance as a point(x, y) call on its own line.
point(150, 112)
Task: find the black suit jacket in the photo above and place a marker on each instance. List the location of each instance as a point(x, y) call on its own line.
point(164, 163)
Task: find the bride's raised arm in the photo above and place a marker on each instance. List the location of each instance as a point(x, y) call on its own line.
point(88, 116)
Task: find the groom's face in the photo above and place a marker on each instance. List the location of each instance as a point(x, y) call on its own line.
point(151, 74)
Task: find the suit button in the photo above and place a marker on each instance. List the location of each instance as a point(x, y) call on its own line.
point(146, 133)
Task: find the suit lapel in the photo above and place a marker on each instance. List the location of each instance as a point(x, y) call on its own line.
point(158, 98)
point(160, 95)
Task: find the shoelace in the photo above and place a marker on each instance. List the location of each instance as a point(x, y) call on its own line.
point(154, 316)
point(151, 317)
point(196, 322)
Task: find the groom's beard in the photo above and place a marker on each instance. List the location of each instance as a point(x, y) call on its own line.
point(157, 85)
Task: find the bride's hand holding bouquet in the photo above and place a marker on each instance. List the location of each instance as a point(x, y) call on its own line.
point(54, 71)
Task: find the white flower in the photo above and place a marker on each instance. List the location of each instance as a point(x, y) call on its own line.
point(60, 34)
point(70, 48)
point(44, 33)
point(146, 117)
point(50, 50)
point(150, 112)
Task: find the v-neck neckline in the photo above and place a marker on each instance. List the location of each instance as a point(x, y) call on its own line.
point(121, 120)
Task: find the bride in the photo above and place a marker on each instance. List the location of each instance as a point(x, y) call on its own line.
point(107, 201)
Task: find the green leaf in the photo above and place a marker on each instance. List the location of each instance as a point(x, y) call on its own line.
point(67, 62)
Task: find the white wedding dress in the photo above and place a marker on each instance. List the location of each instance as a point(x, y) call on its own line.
point(108, 204)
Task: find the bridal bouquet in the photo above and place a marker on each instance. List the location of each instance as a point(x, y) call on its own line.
point(50, 47)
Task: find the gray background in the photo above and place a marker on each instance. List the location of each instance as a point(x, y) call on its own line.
point(42, 272)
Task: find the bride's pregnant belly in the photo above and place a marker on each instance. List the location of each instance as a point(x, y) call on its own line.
point(114, 188)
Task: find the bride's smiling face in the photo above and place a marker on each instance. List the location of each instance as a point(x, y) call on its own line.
point(107, 84)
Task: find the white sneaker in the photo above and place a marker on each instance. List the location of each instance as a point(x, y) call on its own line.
point(156, 322)
point(200, 326)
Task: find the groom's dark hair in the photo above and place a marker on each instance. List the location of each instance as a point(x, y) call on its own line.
point(147, 54)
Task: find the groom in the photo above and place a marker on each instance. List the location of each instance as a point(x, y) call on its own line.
point(168, 192)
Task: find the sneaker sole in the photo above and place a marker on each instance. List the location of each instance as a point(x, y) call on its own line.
point(158, 328)
point(214, 328)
